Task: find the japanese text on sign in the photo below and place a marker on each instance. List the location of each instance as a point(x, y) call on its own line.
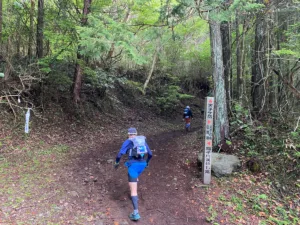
point(208, 134)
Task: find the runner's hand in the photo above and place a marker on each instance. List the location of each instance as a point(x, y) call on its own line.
point(116, 165)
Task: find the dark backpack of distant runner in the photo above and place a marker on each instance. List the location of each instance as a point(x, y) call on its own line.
point(139, 149)
point(186, 113)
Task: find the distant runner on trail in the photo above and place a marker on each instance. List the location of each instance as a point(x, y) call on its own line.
point(136, 147)
point(187, 115)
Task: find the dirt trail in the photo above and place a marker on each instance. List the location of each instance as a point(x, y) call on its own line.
point(166, 189)
point(82, 187)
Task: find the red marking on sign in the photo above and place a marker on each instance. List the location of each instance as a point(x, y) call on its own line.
point(208, 121)
point(210, 101)
point(208, 143)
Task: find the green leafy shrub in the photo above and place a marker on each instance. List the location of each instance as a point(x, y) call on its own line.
point(171, 97)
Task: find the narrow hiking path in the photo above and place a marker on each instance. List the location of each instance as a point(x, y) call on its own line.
point(166, 189)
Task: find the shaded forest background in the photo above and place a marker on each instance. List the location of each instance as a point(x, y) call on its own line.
point(87, 56)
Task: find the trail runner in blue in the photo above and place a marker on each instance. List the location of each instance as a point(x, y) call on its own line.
point(136, 148)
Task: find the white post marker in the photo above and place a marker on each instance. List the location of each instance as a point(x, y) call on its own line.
point(27, 117)
point(208, 129)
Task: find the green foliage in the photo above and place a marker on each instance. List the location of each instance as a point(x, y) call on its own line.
point(44, 65)
point(227, 12)
point(292, 46)
point(100, 78)
point(171, 97)
point(245, 6)
point(137, 85)
point(212, 214)
point(97, 38)
point(57, 76)
point(285, 52)
point(275, 144)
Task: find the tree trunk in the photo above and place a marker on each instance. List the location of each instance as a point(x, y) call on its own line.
point(226, 51)
point(78, 70)
point(244, 55)
point(40, 30)
point(151, 70)
point(258, 72)
point(272, 62)
point(77, 83)
point(31, 29)
point(8, 66)
point(238, 58)
point(221, 118)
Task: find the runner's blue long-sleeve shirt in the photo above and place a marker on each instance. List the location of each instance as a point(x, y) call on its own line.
point(127, 145)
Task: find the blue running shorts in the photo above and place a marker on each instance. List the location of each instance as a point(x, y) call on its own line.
point(135, 169)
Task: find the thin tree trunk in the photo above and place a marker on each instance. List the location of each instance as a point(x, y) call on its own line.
point(31, 29)
point(272, 43)
point(258, 72)
point(18, 39)
point(221, 118)
point(243, 62)
point(77, 82)
point(268, 78)
point(238, 58)
point(78, 70)
point(226, 51)
point(151, 70)
point(40, 30)
point(8, 60)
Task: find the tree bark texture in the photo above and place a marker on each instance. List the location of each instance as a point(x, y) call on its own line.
point(238, 58)
point(226, 52)
point(78, 70)
point(31, 28)
point(259, 70)
point(221, 124)
point(244, 55)
point(40, 30)
point(8, 65)
point(151, 70)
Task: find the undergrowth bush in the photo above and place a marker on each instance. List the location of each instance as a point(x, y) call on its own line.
point(275, 144)
point(171, 97)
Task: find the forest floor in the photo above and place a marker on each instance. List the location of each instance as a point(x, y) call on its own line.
point(62, 173)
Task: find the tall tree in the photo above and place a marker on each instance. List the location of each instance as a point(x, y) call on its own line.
point(78, 68)
point(258, 67)
point(31, 28)
point(221, 118)
point(238, 57)
point(226, 52)
point(40, 30)
point(155, 55)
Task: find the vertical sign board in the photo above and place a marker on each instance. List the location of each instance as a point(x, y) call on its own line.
point(208, 129)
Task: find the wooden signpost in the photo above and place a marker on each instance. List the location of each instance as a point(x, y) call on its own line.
point(208, 129)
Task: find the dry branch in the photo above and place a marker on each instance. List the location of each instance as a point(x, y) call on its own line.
point(292, 88)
